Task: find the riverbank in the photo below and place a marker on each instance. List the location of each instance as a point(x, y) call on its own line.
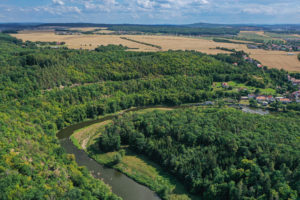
point(133, 165)
point(137, 167)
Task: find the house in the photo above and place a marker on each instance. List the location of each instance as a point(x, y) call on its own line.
point(235, 64)
point(265, 103)
point(209, 103)
point(296, 94)
point(251, 96)
point(243, 89)
point(278, 98)
point(296, 82)
point(259, 65)
point(244, 98)
point(261, 99)
point(285, 100)
point(270, 98)
point(225, 85)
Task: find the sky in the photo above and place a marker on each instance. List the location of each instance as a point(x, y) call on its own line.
point(152, 11)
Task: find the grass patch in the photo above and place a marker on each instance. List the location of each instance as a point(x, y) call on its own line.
point(146, 172)
point(253, 36)
point(75, 142)
point(282, 36)
point(84, 135)
point(236, 86)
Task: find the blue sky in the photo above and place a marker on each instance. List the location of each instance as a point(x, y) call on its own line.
point(151, 11)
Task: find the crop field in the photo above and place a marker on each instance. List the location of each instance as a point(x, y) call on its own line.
point(254, 35)
point(282, 36)
point(274, 59)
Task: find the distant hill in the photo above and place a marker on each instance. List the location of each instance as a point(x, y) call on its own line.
point(280, 28)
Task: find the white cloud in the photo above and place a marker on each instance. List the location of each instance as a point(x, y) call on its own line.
point(148, 4)
point(59, 10)
point(103, 5)
point(58, 2)
point(158, 11)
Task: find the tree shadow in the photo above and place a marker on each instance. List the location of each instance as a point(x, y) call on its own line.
point(179, 189)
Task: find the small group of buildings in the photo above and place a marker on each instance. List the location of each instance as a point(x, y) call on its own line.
point(67, 33)
point(275, 47)
point(267, 99)
point(250, 60)
point(295, 82)
point(296, 96)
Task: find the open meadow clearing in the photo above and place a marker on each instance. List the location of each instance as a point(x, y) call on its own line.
point(274, 59)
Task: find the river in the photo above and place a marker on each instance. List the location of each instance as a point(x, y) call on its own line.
point(121, 185)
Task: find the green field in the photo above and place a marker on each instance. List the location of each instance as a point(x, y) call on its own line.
point(282, 36)
point(236, 86)
point(253, 36)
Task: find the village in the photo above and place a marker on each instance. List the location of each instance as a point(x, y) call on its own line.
point(275, 47)
point(266, 100)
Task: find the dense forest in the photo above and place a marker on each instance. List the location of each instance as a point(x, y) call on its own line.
point(44, 90)
point(217, 153)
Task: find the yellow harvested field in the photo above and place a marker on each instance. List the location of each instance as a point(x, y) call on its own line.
point(82, 41)
point(275, 59)
point(296, 35)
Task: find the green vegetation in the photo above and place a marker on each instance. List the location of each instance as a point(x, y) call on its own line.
point(32, 163)
point(281, 35)
point(144, 171)
point(44, 90)
point(128, 162)
point(218, 154)
point(223, 40)
point(144, 43)
point(253, 37)
point(111, 47)
point(174, 30)
point(246, 89)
